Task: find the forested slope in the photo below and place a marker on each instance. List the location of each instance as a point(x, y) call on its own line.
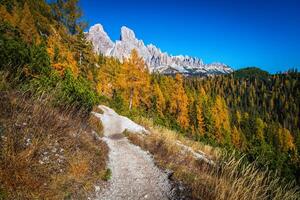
point(45, 56)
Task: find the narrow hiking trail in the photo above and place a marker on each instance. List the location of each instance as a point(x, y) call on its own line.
point(134, 174)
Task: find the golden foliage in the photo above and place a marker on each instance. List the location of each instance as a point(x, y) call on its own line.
point(200, 120)
point(60, 55)
point(134, 80)
point(260, 125)
point(160, 102)
point(221, 120)
point(286, 140)
point(236, 137)
point(22, 18)
point(179, 102)
point(202, 94)
point(107, 75)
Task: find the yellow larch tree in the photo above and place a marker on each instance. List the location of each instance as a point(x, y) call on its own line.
point(134, 80)
point(236, 137)
point(221, 120)
point(108, 76)
point(259, 126)
point(27, 26)
point(158, 98)
point(22, 18)
point(286, 140)
point(166, 86)
point(179, 102)
point(200, 120)
point(202, 94)
point(61, 57)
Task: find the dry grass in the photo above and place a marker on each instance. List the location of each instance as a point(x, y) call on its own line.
point(46, 153)
point(95, 124)
point(170, 136)
point(97, 110)
point(228, 179)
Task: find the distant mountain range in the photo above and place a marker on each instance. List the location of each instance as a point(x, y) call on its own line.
point(156, 60)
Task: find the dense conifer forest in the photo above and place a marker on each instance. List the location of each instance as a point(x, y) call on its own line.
point(43, 50)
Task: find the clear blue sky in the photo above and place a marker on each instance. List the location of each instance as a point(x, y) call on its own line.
point(263, 33)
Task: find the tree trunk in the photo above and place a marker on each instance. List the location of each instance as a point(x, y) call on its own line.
point(131, 97)
point(80, 57)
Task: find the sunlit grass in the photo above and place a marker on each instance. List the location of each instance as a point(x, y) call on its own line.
point(229, 178)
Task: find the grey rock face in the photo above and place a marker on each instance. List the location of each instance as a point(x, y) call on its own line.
point(101, 42)
point(156, 60)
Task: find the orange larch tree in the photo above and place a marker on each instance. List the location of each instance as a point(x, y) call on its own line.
point(134, 80)
point(179, 102)
point(108, 76)
point(221, 120)
point(158, 99)
point(286, 140)
point(200, 120)
point(60, 55)
point(236, 137)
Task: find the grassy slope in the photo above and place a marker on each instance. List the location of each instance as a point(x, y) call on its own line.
point(47, 153)
point(228, 179)
point(47, 147)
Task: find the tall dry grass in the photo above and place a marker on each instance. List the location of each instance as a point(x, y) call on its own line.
point(46, 152)
point(170, 135)
point(95, 123)
point(229, 178)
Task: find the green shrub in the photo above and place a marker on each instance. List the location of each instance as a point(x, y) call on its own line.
point(77, 91)
point(39, 60)
point(42, 84)
point(66, 90)
point(106, 175)
point(14, 53)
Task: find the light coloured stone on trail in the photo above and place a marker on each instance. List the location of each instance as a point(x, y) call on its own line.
point(97, 188)
point(134, 174)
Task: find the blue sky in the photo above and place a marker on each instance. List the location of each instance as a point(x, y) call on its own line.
point(240, 33)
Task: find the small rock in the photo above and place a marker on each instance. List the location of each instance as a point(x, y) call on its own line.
point(97, 188)
point(54, 150)
point(169, 173)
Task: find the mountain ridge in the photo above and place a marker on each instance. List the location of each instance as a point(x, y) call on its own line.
point(156, 60)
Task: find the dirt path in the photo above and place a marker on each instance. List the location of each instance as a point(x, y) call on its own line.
point(134, 174)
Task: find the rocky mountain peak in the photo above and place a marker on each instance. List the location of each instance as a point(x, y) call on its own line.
point(97, 28)
point(127, 34)
point(156, 60)
point(101, 41)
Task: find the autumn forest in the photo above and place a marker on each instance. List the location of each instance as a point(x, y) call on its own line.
point(250, 113)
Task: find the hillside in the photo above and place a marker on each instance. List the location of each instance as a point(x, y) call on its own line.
point(191, 169)
point(217, 137)
point(250, 72)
